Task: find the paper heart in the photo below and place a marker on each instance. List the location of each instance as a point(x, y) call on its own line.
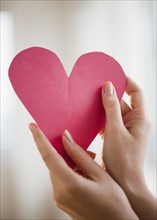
point(57, 102)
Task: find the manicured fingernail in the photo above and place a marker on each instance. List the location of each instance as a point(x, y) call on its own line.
point(68, 136)
point(33, 126)
point(108, 88)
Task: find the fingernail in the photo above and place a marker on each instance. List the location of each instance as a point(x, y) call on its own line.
point(108, 88)
point(33, 126)
point(68, 136)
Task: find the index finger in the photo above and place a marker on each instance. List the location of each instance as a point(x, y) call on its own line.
point(133, 90)
point(52, 159)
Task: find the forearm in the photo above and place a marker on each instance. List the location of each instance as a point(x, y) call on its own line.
point(141, 199)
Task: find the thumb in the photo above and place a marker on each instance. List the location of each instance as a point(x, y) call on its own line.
point(82, 159)
point(111, 105)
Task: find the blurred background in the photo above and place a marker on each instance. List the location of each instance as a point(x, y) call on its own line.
point(122, 29)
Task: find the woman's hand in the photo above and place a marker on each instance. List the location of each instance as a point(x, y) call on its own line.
point(97, 196)
point(125, 139)
point(126, 133)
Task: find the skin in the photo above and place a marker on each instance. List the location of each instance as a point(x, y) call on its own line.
point(117, 192)
point(93, 195)
point(125, 140)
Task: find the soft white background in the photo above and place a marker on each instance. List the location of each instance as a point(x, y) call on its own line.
point(122, 29)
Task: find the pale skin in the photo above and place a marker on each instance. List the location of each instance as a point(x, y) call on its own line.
point(117, 192)
point(124, 154)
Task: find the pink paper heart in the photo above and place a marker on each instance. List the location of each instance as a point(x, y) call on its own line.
point(57, 102)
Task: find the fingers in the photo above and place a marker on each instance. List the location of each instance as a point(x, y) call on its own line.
point(77, 169)
point(86, 164)
point(114, 110)
point(52, 159)
point(55, 162)
point(133, 90)
point(111, 105)
point(125, 108)
point(91, 154)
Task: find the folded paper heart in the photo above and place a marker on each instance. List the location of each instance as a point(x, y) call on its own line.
point(57, 102)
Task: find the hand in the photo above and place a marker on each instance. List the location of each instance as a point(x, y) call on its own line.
point(95, 197)
point(126, 132)
point(125, 139)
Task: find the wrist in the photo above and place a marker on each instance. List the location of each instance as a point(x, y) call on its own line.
point(140, 197)
point(134, 183)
